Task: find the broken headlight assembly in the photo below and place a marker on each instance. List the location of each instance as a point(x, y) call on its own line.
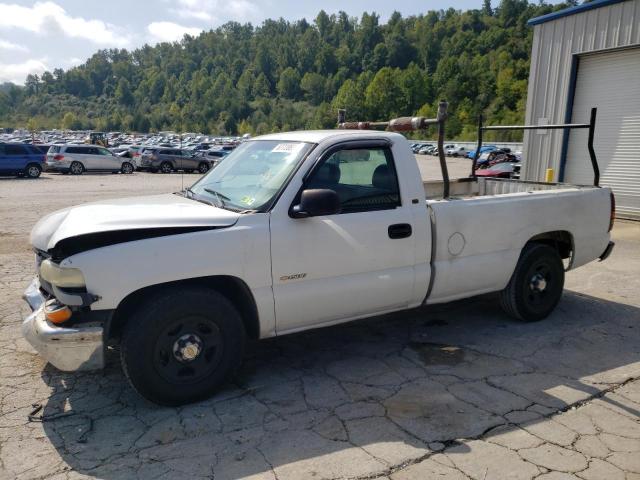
point(60, 276)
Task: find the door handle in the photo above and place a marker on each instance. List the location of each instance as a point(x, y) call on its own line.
point(399, 230)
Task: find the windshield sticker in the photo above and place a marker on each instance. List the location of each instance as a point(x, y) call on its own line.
point(287, 147)
point(247, 200)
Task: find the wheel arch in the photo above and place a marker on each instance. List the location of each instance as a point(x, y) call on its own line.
point(561, 240)
point(233, 288)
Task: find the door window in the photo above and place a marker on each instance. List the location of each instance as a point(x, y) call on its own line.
point(103, 151)
point(79, 150)
point(364, 179)
point(14, 150)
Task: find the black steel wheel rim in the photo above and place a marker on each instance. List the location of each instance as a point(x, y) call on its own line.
point(205, 333)
point(539, 286)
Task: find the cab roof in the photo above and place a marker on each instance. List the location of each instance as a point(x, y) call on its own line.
point(317, 136)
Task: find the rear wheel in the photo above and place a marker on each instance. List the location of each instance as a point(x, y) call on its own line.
point(203, 167)
point(76, 168)
point(126, 168)
point(32, 171)
point(166, 167)
point(181, 347)
point(536, 285)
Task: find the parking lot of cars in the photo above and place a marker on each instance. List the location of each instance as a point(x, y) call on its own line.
point(27, 155)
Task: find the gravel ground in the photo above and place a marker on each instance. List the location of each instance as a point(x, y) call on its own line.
point(455, 391)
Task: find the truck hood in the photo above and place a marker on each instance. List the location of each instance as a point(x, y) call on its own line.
point(133, 218)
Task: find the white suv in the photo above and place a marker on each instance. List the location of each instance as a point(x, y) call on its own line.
point(76, 159)
point(456, 151)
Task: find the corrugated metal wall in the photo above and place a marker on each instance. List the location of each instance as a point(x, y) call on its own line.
point(554, 44)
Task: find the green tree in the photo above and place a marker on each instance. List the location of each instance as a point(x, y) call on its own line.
point(351, 98)
point(312, 85)
point(71, 122)
point(261, 87)
point(123, 92)
point(384, 97)
point(289, 83)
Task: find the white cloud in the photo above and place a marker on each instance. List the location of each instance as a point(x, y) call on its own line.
point(216, 10)
point(170, 32)
point(49, 17)
point(4, 45)
point(17, 72)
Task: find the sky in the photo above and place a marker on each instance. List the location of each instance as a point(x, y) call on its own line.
point(48, 34)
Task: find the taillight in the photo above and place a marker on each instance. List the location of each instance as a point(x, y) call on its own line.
point(58, 157)
point(612, 218)
point(136, 154)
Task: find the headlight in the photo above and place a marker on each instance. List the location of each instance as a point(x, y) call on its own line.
point(61, 277)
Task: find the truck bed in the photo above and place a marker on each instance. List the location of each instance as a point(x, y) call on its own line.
point(469, 187)
point(480, 230)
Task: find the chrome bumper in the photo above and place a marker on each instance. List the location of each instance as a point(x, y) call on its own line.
point(66, 348)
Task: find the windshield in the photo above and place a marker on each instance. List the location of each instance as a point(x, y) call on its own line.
point(250, 177)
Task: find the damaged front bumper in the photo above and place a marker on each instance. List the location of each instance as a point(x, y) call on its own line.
point(66, 348)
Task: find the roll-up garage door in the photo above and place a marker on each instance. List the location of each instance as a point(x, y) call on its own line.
point(611, 82)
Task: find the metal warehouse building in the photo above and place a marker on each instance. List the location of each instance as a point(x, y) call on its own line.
point(583, 57)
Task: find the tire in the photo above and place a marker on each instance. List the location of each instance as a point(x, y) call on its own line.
point(536, 285)
point(166, 167)
point(76, 168)
point(203, 167)
point(32, 171)
point(126, 168)
point(171, 326)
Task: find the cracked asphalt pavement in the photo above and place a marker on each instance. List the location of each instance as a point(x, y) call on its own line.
point(457, 391)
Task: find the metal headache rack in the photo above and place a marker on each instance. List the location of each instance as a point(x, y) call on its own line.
point(560, 126)
point(408, 124)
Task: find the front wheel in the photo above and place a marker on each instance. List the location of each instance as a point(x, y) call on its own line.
point(536, 285)
point(179, 347)
point(126, 168)
point(203, 167)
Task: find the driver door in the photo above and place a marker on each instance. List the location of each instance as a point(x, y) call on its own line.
point(331, 268)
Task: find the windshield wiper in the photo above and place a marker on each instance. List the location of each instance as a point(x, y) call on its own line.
point(221, 198)
point(191, 195)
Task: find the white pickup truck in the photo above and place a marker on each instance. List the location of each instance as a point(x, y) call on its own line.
point(293, 231)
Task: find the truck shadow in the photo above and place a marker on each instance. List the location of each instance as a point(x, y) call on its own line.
point(358, 399)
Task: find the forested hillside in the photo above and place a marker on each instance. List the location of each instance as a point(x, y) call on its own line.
point(289, 75)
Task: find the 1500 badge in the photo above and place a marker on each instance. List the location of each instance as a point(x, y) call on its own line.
point(296, 276)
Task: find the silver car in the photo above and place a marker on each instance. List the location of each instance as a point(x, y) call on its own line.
point(77, 159)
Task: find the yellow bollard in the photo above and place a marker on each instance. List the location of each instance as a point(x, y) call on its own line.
point(548, 177)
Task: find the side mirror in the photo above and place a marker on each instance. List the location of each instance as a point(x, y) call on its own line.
point(316, 202)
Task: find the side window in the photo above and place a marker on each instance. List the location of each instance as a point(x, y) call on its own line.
point(14, 150)
point(103, 151)
point(364, 179)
